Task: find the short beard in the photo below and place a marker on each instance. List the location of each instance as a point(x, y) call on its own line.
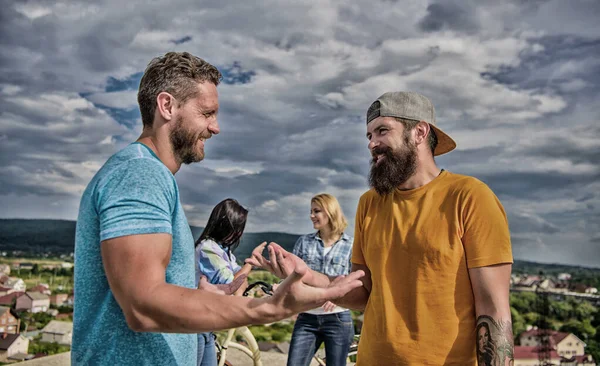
point(395, 168)
point(183, 143)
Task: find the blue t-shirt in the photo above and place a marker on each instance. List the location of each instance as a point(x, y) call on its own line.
point(133, 193)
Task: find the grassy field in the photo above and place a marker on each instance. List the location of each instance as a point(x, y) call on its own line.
point(39, 261)
point(58, 284)
point(59, 279)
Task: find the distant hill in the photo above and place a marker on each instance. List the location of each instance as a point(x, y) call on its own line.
point(36, 237)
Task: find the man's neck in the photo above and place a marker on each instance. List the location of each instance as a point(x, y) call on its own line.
point(328, 237)
point(159, 143)
point(427, 170)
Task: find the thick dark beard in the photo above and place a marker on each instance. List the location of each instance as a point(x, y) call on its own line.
point(395, 168)
point(184, 143)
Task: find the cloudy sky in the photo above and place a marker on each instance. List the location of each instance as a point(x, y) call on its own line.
point(514, 82)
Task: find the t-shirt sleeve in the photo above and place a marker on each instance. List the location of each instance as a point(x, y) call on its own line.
point(357, 252)
point(212, 265)
point(486, 237)
point(138, 197)
point(234, 264)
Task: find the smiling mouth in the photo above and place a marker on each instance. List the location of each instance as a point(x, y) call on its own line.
point(378, 158)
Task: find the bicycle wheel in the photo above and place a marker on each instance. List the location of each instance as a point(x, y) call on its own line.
point(251, 351)
point(222, 348)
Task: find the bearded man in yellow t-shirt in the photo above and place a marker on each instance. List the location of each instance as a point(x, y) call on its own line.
point(434, 245)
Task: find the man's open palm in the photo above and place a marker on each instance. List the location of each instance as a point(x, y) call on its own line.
point(296, 296)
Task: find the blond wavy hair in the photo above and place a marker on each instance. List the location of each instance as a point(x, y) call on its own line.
point(333, 210)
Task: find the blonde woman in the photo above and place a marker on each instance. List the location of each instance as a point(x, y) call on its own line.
point(328, 250)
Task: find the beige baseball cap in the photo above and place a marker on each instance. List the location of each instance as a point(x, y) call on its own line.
point(413, 106)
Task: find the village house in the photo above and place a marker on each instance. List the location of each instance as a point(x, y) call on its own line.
point(9, 323)
point(6, 290)
point(33, 302)
point(564, 276)
point(547, 284)
point(15, 283)
point(25, 265)
point(41, 288)
point(562, 286)
point(5, 269)
point(584, 289)
point(528, 283)
point(58, 299)
point(529, 356)
point(10, 299)
point(58, 332)
point(567, 346)
point(12, 345)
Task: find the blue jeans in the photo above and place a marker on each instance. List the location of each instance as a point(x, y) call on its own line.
point(207, 351)
point(310, 331)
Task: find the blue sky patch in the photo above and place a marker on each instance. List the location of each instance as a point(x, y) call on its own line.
point(181, 40)
point(235, 74)
point(126, 117)
point(132, 82)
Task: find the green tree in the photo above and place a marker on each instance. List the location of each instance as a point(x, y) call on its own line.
point(584, 310)
point(36, 269)
point(561, 310)
point(583, 329)
point(523, 302)
point(593, 348)
point(518, 323)
point(531, 317)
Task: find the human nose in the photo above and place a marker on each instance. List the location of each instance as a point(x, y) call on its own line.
point(373, 143)
point(213, 127)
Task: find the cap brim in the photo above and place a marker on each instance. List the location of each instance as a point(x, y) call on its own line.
point(445, 142)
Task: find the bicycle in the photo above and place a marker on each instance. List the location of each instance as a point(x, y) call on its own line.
point(251, 350)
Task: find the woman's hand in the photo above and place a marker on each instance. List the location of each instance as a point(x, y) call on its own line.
point(256, 258)
point(328, 306)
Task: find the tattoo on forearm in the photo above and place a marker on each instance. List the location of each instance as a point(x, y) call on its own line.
point(494, 341)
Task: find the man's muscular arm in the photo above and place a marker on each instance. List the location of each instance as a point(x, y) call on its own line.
point(494, 335)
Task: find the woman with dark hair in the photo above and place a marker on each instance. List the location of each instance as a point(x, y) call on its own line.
point(216, 262)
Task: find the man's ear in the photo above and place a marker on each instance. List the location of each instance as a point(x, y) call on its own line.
point(165, 103)
point(422, 130)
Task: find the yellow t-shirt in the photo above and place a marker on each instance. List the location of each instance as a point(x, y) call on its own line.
point(418, 245)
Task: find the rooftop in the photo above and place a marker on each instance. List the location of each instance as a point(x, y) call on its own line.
point(34, 295)
point(6, 340)
point(58, 327)
point(523, 352)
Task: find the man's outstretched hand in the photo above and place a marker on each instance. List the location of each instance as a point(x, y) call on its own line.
point(227, 289)
point(281, 263)
point(294, 296)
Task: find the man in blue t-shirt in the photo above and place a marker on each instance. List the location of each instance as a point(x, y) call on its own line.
point(135, 299)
